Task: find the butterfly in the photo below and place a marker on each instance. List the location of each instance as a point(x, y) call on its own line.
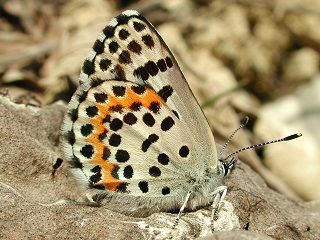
point(134, 134)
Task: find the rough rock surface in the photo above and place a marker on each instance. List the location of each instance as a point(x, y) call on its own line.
point(29, 149)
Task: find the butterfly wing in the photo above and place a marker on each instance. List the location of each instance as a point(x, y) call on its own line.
point(119, 141)
point(133, 125)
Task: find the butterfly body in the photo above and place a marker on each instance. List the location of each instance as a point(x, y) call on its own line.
point(134, 133)
point(142, 206)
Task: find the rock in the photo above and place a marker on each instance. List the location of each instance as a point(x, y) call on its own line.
point(30, 206)
point(287, 115)
point(302, 65)
point(301, 21)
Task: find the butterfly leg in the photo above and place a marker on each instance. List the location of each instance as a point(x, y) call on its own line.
point(56, 166)
point(182, 209)
point(220, 193)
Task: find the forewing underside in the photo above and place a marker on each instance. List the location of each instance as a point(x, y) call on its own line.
point(129, 48)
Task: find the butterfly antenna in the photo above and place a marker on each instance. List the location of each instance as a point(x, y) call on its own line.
point(243, 124)
point(288, 138)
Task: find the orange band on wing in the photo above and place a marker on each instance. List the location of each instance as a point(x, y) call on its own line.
point(107, 167)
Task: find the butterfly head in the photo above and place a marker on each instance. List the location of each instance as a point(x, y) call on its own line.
point(226, 166)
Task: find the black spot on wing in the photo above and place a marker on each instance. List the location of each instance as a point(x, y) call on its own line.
point(130, 118)
point(97, 176)
point(105, 64)
point(57, 165)
point(124, 57)
point(106, 119)
point(116, 108)
point(71, 137)
point(106, 153)
point(92, 111)
point(122, 187)
point(154, 107)
point(73, 114)
point(122, 156)
point(167, 123)
point(154, 171)
point(138, 89)
point(123, 34)
point(122, 19)
point(152, 68)
point(95, 169)
point(100, 97)
point(184, 151)
point(82, 96)
point(165, 191)
point(98, 47)
point(116, 124)
point(163, 159)
point(148, 119)
point(87, 151)
point(88, 67)
point(115, 172)
point(119, 72)
point(86, 130)
point(108, 31)
point(162, 65)
point(135, 47)
point(128, 172)
point(147, 143)
point(165, 92)
point(103, 135)
point(119, 91)
point(169, 62)
point(138, 26)
point(135, 106)
point(175, 113)
point(115, 140)
point(148, 41)
point(113, 47)
point(143, 185)
point(142, 73)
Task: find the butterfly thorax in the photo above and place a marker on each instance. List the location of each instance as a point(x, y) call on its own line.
point(205, 183)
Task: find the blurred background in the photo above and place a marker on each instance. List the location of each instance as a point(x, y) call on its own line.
point(241, 58)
